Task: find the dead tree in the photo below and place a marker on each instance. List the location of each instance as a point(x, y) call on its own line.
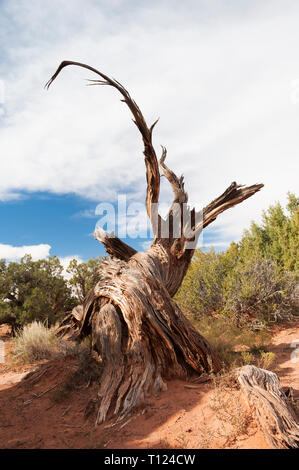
point(274, 413)
point(138, 331)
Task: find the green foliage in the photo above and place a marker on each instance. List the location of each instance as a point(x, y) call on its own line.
point(33, 290)
point(84, 276)
point(37, 290)
point(254, 279)
point(258, 289)
point(276, 238)
point(201, 291)
point(229, 340)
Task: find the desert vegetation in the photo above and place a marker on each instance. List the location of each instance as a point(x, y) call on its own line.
point(253, 280)
point(232, 297)
point(37, 290)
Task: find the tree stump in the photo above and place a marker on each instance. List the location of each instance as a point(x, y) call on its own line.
point(271, 407)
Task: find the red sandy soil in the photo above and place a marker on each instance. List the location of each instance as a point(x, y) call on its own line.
point(182, 417)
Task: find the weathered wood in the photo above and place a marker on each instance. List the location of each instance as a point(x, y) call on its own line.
point(70, 326)
point(114, 246)
point(138, 331)
point(271, 407)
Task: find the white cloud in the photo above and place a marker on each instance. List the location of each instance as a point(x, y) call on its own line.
point(42, 251)
point(221, 79)
point(15, 253)
point(9, 196)
point(87, 213)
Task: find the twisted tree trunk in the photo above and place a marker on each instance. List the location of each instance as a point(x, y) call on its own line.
point(138, 331)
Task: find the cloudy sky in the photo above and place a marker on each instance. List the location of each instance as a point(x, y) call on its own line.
point(222, 76)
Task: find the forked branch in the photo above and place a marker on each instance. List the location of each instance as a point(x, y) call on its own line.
point(177, 184)
point(232, 196)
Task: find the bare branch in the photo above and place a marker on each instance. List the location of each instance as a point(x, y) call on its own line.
point(114, 246)
point(177, 184)
point(151, 163)
point(232, 196)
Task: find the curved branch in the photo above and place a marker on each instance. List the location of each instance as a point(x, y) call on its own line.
point(151, 163)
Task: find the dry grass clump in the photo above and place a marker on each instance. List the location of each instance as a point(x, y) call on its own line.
point(35, 342)
point(261, 359)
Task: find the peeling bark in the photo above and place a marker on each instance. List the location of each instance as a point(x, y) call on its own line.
point(274, 413)
point(138, 331)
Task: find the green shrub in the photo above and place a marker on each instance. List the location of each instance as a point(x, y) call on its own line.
point(252, 281)
point(228, 339)
point(259, 290)
point(247, 357)
point(202, 290)
point(34, 291)
point(266, 359)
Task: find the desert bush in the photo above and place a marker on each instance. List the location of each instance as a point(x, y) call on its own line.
point(245, 291)
point(247, 357)
point(266, 359)
point(84, 276)
point(202, 290)
point(227, 338)
point(254, 280)
point(259, 290)
point(276, 238)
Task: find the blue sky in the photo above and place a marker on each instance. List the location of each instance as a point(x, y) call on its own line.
point(223, 76)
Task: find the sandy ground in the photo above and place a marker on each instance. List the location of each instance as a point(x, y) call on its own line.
point(186, 416)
